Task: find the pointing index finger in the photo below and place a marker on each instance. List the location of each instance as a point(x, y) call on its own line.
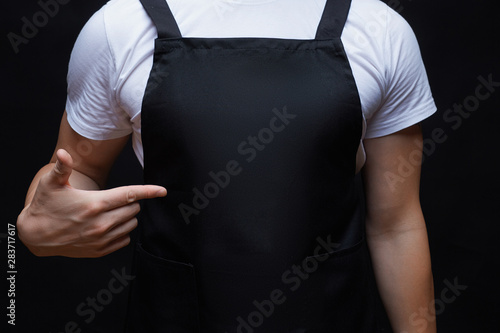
point(125, 195)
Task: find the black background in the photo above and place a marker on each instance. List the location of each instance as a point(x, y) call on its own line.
point(459, 43)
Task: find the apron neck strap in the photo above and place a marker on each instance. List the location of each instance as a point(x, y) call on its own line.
point(162, 17)
point(333, 19)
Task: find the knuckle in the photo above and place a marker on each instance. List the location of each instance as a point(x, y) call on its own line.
point(85, 236)
point(100, 230)
point(96, 249)
point(95, 208)
point(113, 246)
point(42, 189)
point(131, 196)
point(125, 241)
point(93, 234)
point(130, 225)
point(94, 253)
point(136, 208)
point(122, 242)
point(45, 180)
point(100, 253)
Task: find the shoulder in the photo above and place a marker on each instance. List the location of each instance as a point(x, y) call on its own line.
point(126, 23)
point(388, 67)
point(125, 15)
point(373, 21)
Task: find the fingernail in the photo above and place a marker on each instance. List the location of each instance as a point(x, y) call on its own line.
point(162, 192)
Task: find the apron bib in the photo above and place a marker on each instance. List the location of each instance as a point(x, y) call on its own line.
point(262, 229)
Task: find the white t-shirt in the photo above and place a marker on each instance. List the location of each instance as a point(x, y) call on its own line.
point(113, 55)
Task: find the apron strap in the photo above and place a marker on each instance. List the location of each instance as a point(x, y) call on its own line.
point(333, 19)
point(162, 17)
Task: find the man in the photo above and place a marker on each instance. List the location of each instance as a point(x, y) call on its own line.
point(257, 116)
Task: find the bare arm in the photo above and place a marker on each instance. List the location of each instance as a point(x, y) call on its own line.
point(396, 231)
point(65, 212)
point(92, 159)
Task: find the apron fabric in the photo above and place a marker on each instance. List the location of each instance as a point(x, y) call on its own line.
point(262, 229)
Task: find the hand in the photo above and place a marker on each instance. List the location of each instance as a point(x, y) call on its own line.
point(65, 221)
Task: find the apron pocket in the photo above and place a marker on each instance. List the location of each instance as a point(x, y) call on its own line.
point(338, 291)
point(164, 296)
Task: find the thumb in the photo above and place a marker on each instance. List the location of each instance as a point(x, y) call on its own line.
point(62, 169)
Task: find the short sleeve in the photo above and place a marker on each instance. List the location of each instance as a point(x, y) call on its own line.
point(407, 97)
point(91, 105)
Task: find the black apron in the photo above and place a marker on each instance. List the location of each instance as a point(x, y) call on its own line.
point(262, 229)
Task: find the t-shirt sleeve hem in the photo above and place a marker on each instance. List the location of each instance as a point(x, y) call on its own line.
point(400, 124)
point(95, 134)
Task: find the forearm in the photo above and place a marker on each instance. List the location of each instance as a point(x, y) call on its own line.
point(402, 265)
point(77, 180)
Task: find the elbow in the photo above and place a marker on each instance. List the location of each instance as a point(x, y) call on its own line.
point(394, 221)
